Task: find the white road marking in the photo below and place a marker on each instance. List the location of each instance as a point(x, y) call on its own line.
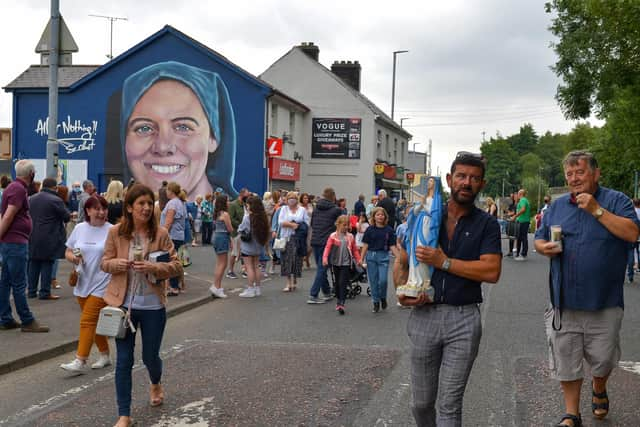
point(192, 414)
point(59, 399)
point(633, 367)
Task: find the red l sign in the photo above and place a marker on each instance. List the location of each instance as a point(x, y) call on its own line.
point(274, 147)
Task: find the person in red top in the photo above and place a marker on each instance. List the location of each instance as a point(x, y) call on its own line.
point(15, 229)
point(341, 251)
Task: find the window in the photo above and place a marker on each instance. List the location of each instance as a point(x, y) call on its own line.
point(402, 153)
point(274, 119)
point(379, 136)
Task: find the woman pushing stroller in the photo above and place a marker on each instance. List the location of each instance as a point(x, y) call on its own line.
point(341, 252)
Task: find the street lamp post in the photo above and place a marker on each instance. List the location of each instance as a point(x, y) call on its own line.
point(403, 119)
point(393, 84)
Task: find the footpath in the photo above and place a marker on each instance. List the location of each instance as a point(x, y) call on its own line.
point(21, 349)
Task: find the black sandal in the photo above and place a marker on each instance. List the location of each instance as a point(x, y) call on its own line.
point(576, 420)
point(603, 406)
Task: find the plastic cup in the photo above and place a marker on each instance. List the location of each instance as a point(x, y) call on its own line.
point(556, 235)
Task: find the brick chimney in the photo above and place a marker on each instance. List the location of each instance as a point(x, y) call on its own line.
point(310, 49)
point(348, 71)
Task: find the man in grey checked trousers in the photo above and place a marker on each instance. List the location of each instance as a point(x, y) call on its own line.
point(445, 333)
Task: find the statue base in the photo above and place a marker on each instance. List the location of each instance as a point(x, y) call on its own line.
point(413, 291)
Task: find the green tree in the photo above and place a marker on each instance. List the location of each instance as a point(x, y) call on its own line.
point(531, 166)
point(598, 52)
point(524, 141)
point(502, 166)
point(551, 151)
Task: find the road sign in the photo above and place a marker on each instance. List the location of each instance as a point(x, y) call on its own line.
point(274, 147)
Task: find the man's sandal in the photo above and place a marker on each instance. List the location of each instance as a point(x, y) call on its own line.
point(576, 421)
point(602, 408)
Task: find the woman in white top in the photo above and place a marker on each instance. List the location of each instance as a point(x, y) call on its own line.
point(85, 248)
point(305, 202)
point(291, 217)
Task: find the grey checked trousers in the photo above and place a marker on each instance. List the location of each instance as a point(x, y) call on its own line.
point(444, 344)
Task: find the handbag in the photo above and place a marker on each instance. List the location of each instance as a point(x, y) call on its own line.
point(245, 236)
point(73, 278)
point(280, 243)
point(112, 322)
point(184, 256)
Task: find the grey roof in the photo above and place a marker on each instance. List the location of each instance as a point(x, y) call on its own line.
point(381, 115)
point(37, 76)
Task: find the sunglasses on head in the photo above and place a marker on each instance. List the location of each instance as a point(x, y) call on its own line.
point(469, 155)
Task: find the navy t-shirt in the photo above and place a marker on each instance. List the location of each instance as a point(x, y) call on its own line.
point(379, 238)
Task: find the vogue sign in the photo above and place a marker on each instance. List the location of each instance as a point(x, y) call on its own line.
point(284, 170)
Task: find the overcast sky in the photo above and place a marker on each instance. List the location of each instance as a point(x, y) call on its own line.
point(472, 66)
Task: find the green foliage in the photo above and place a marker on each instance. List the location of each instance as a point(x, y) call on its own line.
point(536, 190)
point(502, 166)
point(524, 141)
point(551, 150)
point(598, 52)
point(531, 165)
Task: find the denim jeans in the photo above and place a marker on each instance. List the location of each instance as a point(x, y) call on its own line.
point(14, 280)
point(151, 325)
point(377, 272)
point(630, 263)
point(174, 282)
point(320, 281)
point(40, 269)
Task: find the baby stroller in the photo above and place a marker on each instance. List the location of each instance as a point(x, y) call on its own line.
point(357, 275)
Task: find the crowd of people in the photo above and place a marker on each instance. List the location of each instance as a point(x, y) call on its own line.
point(115, 233)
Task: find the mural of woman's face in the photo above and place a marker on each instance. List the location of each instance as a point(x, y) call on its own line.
point(168, 137)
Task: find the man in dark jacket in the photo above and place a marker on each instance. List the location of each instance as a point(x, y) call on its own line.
point(323, 223)
point(358, 207)
point(47, 241)
point(387, 203)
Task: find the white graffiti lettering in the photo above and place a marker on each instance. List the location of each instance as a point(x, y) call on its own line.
point(81, 134)
point(286, 170)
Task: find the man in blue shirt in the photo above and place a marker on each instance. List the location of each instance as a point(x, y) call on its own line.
point(597, 226)
point(445, 335)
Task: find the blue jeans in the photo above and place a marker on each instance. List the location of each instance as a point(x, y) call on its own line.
point(174, 282)
point(40, 269)
point(151, 324)
point(54, 272)
point(14, 280)
point(523, 239)
point(377, 272)
point(320, 281)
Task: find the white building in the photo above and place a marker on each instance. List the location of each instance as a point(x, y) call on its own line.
point(344, 136)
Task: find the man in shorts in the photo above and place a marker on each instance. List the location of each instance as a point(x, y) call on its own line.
point(597, 227)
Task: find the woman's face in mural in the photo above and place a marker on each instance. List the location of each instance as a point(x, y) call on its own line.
point(169, 138)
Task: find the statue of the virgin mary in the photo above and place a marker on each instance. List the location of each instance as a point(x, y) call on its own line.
point(423, 227)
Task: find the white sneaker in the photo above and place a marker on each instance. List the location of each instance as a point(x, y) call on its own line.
point(103, 361)
point(217, 292)
point(248, 293)
point(258, 290)
point(77, 366)
point(518, 258)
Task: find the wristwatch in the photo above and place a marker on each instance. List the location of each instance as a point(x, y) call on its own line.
point(446, 265)
point(598, 213)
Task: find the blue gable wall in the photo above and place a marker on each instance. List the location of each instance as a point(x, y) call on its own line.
point(96, 126)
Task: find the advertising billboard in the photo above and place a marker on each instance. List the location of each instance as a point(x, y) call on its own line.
point(336, 138)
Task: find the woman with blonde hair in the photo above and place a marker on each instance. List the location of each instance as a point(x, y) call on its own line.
point(139, 285)
point(292, 216)
point(492, 208)
point(114, 197)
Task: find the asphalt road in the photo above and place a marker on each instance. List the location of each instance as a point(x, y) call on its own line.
point(275, 360)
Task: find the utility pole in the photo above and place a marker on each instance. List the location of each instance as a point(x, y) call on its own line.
point(111, 19)
point(52, 131)
point(393, 83)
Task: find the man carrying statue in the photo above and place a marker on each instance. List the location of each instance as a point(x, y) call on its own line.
point(445, 329)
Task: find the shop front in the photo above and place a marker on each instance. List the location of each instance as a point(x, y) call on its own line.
point(283, 174)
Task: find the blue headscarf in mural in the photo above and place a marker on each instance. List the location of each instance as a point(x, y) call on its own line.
point(415, 222)
point(214, 98)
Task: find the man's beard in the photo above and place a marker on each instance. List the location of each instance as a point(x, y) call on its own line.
point(455, 195)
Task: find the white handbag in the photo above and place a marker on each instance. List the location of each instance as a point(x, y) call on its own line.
point(280, 243)
point(112, 322)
